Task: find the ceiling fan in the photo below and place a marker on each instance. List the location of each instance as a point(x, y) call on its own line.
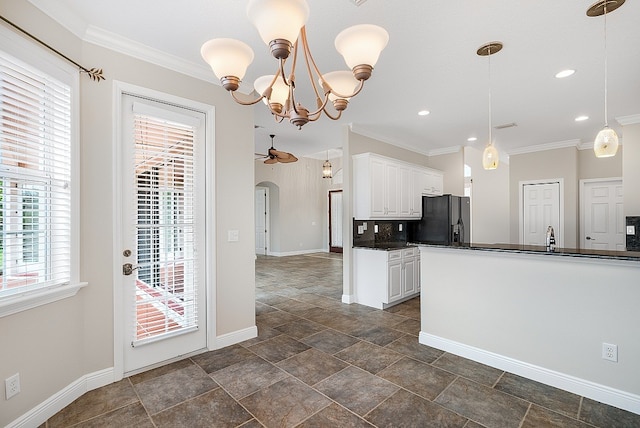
point(275, 156)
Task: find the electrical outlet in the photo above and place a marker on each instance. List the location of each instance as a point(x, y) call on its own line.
point(610, 352)
point(12, 385)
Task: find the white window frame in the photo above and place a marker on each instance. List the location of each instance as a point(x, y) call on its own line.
point(44, 60)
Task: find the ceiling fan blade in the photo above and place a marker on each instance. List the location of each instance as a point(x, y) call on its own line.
point(288, 159)
point(271, 161)
point(278, 153)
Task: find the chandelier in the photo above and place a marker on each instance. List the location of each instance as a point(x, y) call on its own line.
point(281, 24)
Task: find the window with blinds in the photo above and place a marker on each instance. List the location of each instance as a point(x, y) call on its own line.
point(167, 281)
point(35, 178)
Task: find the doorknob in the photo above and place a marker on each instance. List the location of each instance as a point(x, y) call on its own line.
point(588, 238)
point(127, 268)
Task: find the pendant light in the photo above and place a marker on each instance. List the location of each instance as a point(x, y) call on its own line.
point(606, 142)
point(326, 168)
point(490, 158)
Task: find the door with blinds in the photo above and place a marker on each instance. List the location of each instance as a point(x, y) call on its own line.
point(163, 271)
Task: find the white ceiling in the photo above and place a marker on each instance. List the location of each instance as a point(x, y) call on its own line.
point(430, 63)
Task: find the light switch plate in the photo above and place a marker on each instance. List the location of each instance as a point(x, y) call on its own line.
point(360, 230)
point(631, 230)
point(375, 228)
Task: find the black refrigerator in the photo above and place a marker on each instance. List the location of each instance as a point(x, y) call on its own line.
point(446, 220)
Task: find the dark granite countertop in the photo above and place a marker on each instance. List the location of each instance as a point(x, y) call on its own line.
point(535, 249)
point(385, 246)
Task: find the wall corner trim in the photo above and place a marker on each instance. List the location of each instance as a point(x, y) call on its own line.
point(234, 337)
point(58, 401)
point(598, 392)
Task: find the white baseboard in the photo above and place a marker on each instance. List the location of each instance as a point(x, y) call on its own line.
point(297, 253)
point(604, 394)
point(232, 338)
point(58, 401)
point(348, 299)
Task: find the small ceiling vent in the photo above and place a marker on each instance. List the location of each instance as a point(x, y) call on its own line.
point(358, 2)
point(506, 125)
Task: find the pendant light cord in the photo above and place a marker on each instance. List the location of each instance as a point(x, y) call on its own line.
point(606, 116)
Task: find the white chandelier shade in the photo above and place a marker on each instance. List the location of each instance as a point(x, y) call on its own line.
point(278, 19)
point(227, 57)
point(279, 90)
point(341, 82)
point(361, 44)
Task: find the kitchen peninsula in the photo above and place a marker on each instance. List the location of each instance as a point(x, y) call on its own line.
point(542, 315)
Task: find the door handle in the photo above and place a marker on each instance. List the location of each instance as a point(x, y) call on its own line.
point(127, 268)
point(588, 238)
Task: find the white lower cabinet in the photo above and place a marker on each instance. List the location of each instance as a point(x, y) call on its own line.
point(384, 278)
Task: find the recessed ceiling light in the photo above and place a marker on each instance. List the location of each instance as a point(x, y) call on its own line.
point(564, 73)
point(471, 139)
point(423, 112)
point(581, 118)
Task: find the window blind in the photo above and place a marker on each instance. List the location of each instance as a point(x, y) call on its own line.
point(35, 177)
point(166, 286)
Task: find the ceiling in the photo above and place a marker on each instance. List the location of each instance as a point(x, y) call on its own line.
point(430, 63)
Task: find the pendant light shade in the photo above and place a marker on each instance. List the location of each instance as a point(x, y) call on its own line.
point(342, 82)
point(490, 158)
point(606, 143)
point(229, 59)
point(279, 90)
point(278, 19)
point(361, 45)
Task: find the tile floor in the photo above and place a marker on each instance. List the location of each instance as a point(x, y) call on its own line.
point(320, 363)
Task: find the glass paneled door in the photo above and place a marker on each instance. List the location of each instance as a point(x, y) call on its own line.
point(163, 232)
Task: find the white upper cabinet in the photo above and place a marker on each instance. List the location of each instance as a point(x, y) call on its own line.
point(386, 188)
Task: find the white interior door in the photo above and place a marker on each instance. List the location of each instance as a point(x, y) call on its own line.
point(604, 222)
point(541, 209)
point(163, 232)
point(335, 221)
point(262, 229)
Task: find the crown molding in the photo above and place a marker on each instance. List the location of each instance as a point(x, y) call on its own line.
point(546, 146)
point(444, 151)
point(367, 133)
point(628, 120)
point(63, 15)
point(123, 45)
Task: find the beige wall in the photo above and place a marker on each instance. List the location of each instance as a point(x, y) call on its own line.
point(452, 165)
point(299, 220)
point(589, 166)
point(631, 169)
point(549, 164)
point(54, 345)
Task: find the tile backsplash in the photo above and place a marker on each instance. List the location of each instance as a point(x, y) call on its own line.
point(379, 231)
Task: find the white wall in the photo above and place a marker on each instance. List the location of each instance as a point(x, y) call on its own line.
point(301, 221)
point(54, 345)
point(541, 316)
point(452, 166)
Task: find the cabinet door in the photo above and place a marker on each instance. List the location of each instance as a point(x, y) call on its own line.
point(377, 188)
point(418, 182)
point(437, 183)
point(409, 276)
point(406, 192)
point(395, 281)
point(418, 277)
point(392, 190)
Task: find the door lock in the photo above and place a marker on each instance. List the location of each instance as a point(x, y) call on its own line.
point(127, 268)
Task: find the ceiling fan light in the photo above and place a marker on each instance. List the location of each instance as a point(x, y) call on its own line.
point(361, 44)
point(342, 83)
point(227, 57)
point(606, 143)
point(279, 90)
point(278, 19)
point(490, 158)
